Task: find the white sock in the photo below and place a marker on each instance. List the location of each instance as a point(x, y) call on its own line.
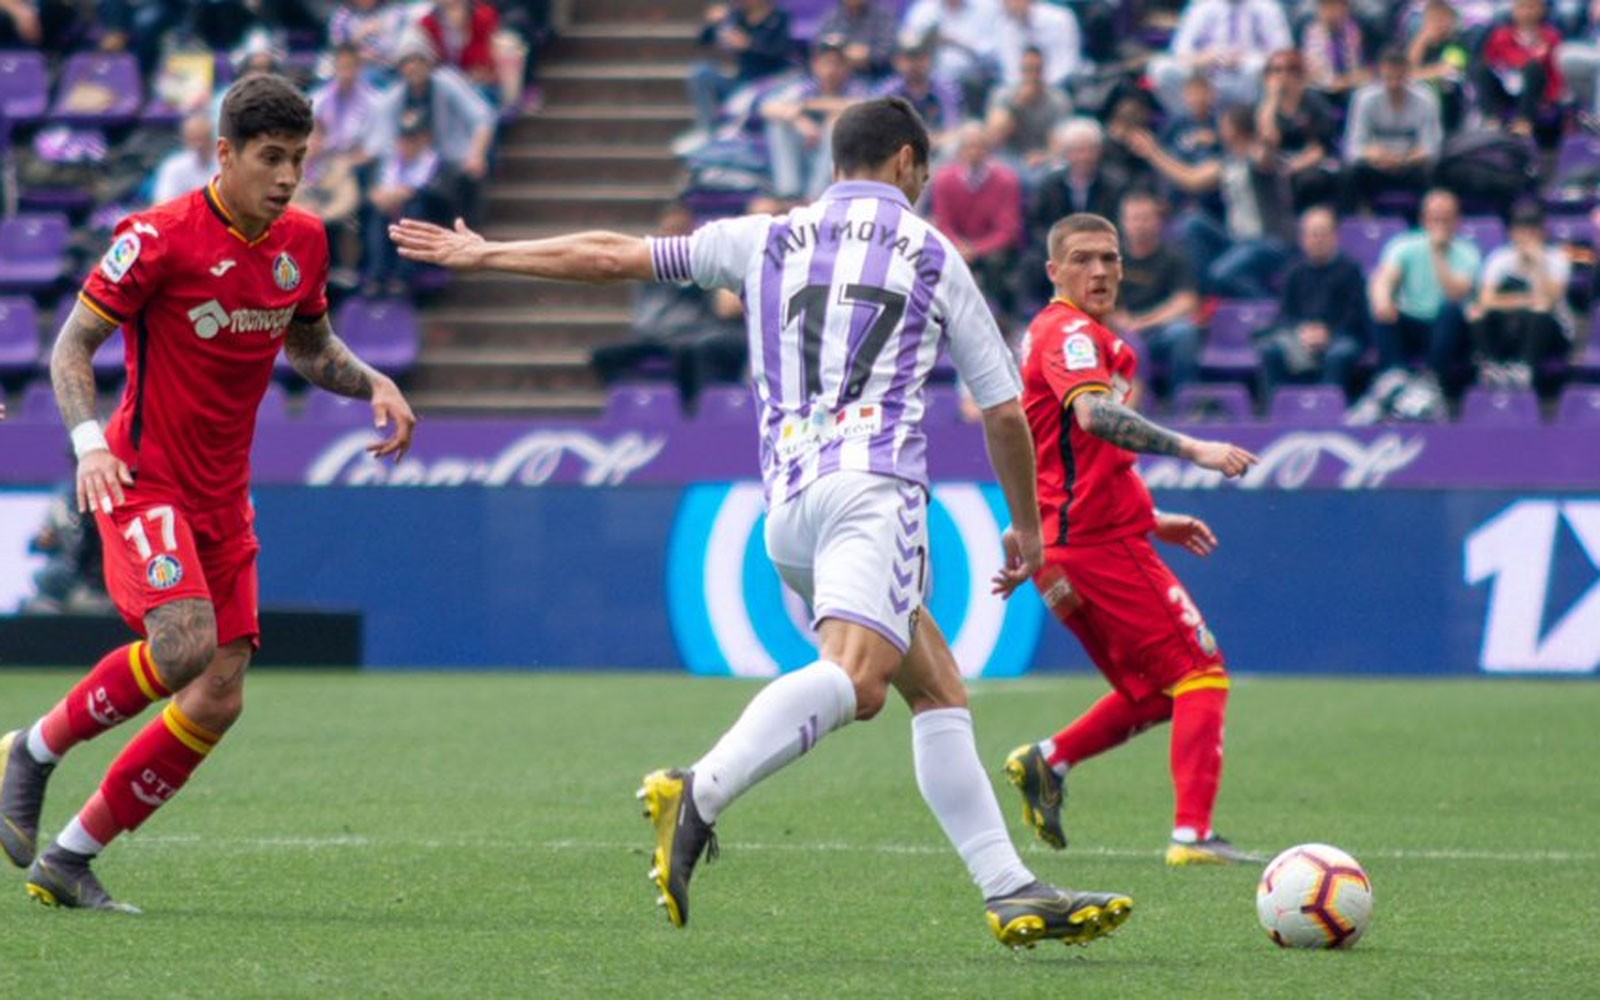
point(787, 718)
point(77, 840)
point(1185, 834)
point(956, 788)
point(1047, 747)
point(38, 748)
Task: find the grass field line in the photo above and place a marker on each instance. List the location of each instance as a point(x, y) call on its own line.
point(355, 841)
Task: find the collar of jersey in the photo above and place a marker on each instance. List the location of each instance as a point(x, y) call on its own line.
point(214, 199)
point(866, 189)
point(1063, 300)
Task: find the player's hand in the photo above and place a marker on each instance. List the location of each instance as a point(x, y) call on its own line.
point(1187, 531)
point(1220, 456)
point(1024, 555)
point(101, 477)
point(390, 406)
point(456, 248)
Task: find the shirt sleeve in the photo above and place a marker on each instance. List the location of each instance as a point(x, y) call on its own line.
point(314, 304)
point(1076, 361)
point(717, 255)
point(130, 272)
point(977, 348)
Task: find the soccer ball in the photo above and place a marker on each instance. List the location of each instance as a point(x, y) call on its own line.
point(1314, 896)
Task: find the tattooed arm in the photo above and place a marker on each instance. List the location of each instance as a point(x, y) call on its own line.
point(1109, 420)
point(324, 360)
point(101, 475)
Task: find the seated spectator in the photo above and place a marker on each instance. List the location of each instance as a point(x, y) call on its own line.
point(1521, 324)
point(1392, 137)
point(1023, 115)
point(190, 167)
point(1517, 79)
point(754, 34)
point(700, 334)
point(963, 31)
point(1129, 115)
point(868, 28)
point(1439, 59)
point(1334, 59)
point(1322, 327)
point(345, 107)
point(1191, 137)
point(141, 27)
point(72, 578)
point(1030, 24)
point(1229, 41)
point(935, 98)
point(1158, 303)
point(800, 121)
point(413, 182)
point(1299, 127)
point(458, 119)
point(377, 28)
point(1077, 186)
point(259, 56)
point(1420, 290)
point(1579, 59)
point(462, 33)
point(329, 190)
point(977, 203)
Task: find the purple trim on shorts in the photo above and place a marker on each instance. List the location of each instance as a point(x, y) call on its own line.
point(903, 645)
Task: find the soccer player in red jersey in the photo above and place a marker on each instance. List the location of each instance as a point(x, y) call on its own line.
point(206, 288)
point(1101, 577)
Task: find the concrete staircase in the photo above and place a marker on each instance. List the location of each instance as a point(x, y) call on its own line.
point(595, 157)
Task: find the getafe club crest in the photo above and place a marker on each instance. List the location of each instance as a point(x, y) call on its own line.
point(286, 272)
point(164, 572)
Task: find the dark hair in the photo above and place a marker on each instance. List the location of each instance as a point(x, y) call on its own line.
point(1082, 222)
point(264, 105)
point(1243, 120)
point(346, 49)
point(1394, 55)
point(1527, 212)
point(869, 133)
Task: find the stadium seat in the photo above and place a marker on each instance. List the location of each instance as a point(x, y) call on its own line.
point(1485, 407)
point(1579, 406)
point(1487, 231)
point(1212, 402)
point(383, 332)
point(19, 336)
point(1364, 239)
point(111, 360)
point(1229, 349)
point(1308, 406)
point(24, 87)
point(1586, 366)
point(328, 408)
point(98, 89)
point(274, 407)
point(648, 405)
point(38, 404)
point(1570, 229)
point(733, 405)
point(31, 252)
point(1577, 156)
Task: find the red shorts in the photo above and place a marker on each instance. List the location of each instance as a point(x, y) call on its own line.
point(1135, 619)
point(157, 551)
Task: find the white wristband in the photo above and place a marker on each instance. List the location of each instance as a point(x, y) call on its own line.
point(87, 437)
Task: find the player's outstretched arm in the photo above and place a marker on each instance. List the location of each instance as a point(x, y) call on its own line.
point(101, 475)
point(1109, 420)
point(596, 257)
point(324, 360)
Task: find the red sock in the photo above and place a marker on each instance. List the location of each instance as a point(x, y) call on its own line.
point(1109, 722)
point(147, 773)
point(117, 689)
point(1199, 706)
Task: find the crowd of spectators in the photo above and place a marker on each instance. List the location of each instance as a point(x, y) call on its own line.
point(1236, 142)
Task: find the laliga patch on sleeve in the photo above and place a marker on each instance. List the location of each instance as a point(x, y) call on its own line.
point(1078, 350)
point(121, 256)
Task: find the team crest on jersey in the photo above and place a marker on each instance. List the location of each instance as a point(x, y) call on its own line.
point(164, 572)
point(286, 272)
point(121, 256)
point(1078, 351)
point(1207, 641)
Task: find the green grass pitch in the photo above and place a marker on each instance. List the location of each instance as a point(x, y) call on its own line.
point(442, 835)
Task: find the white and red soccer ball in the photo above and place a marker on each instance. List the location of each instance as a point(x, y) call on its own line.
point(1314, 896)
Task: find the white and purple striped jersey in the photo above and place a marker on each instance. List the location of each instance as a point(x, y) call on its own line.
point(848, 302)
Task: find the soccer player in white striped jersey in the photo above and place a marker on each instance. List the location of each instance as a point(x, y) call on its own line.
point(848, 302)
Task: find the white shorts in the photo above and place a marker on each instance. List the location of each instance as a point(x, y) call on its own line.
point(854, 546)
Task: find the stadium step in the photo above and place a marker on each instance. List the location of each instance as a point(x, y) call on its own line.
point(639, 163)
point(465, 402)
point(634, 11)
point(637, 84)
point(587, 205)
point(486, 290)
point(459, 373)
point(658, 124)
point(639, 41)
point(534, 326)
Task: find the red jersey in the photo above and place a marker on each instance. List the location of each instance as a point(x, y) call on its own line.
point(1089, 491)
point(203, 311)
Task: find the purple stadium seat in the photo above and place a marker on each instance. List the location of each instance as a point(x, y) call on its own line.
point(24, 87)
point(647, 405)
point(1579, 153)
point(383, 332)
point(1364, 239)
point(19, 336)
point(1308, 406)
point(1485, 230)
point(328, 408)
point(111, 360)
point(1579, 406)
point(1570, 229)
point(733, 405)
point(1212, 402)
point(38, 404)
point(274, 407)
point(944, 406)
point(31, 249)
point(1229, 349)
point(1485, 407)
point(1587, 364)
point(86, 73)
